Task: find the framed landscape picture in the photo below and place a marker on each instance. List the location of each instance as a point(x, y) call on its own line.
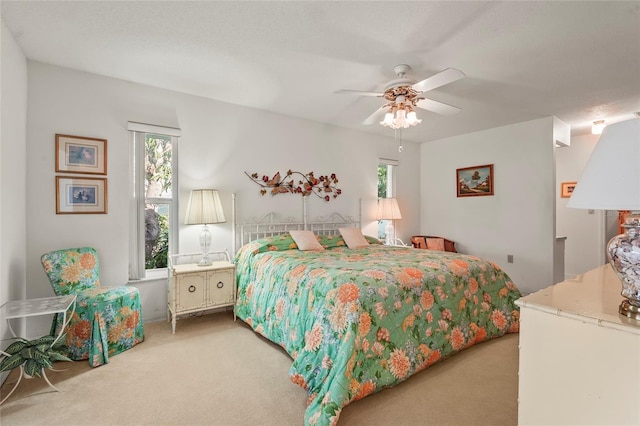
point(474, 181)
point(77, 154)
point(566, 189)
point(81, 195)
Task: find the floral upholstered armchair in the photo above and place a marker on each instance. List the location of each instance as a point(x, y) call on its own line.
point(107, 320)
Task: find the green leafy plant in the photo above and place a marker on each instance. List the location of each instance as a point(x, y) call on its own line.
point(36, 355)
point(156, 240)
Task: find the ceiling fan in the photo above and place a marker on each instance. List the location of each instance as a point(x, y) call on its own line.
point(404, 94)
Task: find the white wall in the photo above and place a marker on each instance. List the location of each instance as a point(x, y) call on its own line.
point(13, 118)
point(519, 219)
point(219, 143)
point(584, 247)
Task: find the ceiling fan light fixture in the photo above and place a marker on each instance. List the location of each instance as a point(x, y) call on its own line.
point(388, 120)
point(412, 118)
point(403, 94)
point(401, 119)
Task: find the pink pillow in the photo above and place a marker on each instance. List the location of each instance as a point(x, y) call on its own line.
point(306, 240)
point(353, 237)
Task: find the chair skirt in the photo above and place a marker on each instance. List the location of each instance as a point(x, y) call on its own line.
point(107, 321)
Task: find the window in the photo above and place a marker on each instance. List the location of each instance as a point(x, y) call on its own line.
point(385, 178)
point(386, 186)
point(154, 206)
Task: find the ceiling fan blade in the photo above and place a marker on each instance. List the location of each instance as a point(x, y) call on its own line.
point(358, 92)
point(376, 116)
point(444, 77)
point(437, 107)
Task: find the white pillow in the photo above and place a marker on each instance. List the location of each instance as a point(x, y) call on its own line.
point(306, 240)
point(353, 237)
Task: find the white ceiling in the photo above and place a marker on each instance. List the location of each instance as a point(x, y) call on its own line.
point(579, 61)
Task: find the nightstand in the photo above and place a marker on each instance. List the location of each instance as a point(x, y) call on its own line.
point(193, 288)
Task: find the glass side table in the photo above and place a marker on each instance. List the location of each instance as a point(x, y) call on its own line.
point(34, 307)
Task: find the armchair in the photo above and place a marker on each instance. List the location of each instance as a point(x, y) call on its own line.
point(433, 243)
point(107, 320)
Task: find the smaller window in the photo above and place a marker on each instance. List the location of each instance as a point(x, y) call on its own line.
point(386, 187)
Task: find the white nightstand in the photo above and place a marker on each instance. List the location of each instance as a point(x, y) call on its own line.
point(194, 288)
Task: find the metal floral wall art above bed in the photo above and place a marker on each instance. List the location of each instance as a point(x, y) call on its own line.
point(322, 186)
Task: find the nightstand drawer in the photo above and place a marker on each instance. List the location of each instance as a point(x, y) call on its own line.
point(220, 287)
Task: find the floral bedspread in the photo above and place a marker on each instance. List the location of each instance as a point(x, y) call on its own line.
point(358, 320)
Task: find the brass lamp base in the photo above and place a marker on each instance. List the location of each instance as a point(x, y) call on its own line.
point(629, 310)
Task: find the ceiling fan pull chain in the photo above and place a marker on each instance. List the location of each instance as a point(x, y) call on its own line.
point(398, 138)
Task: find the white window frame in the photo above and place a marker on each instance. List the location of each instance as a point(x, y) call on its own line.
point(391, 172)
point(137, 227)
point(392, 167)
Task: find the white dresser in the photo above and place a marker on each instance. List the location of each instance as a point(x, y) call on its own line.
point(579, 359)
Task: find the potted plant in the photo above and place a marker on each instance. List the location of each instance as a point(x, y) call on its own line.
point(36, 355)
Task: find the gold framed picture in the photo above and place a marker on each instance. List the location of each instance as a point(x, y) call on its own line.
point(77, 154)
point(81, 195)
point(474, 181)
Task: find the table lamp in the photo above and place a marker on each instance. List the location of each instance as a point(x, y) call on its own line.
point(611, 181)
point(388, 210)
point(204, 208)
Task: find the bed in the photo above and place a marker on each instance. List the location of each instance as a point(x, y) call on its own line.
point(358, 320)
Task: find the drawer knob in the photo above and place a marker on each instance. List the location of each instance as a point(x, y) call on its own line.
point(220, 284)
point(192, 288)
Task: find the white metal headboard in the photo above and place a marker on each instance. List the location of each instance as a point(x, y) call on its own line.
point(331, 224)
point(266, 226)
point(272, 224)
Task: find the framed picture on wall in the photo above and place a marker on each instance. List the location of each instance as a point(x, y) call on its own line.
point(77, 154)
point(566, 189)
point(474, 181)
point(81, 195)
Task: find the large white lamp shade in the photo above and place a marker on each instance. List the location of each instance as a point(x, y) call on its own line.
point(611, 179)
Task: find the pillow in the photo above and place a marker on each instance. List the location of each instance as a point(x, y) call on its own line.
point(353, 237)
point(306, 240)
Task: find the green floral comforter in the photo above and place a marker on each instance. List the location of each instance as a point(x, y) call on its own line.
point(358, 320)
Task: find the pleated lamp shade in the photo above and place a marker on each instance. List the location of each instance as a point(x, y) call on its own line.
point(204, 207)
point(388, 209)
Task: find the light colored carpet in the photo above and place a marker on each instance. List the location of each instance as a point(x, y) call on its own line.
point(215, 371)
